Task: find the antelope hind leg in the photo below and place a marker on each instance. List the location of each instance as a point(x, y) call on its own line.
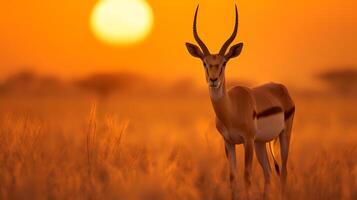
point(262, 156)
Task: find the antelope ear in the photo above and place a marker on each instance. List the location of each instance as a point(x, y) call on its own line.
point(234, 51)
point(194, 50)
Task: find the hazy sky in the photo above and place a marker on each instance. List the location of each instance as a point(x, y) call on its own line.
point(286, 41)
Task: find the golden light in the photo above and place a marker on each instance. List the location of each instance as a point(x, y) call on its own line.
point(121, 22)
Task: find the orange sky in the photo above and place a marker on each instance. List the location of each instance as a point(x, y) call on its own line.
point(286, 41)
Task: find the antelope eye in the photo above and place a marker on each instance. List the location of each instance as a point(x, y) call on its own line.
point(224, 64)
point(204, 64)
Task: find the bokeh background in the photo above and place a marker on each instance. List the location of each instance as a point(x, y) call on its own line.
point(80, 119)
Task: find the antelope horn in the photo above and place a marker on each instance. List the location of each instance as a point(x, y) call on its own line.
point(197, 38)
point(230, 40)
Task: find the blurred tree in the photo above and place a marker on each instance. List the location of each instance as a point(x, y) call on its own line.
point(342, 81)
point(28, 82)
point(104, 84)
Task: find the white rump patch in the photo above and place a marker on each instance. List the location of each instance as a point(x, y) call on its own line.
point(269, 127)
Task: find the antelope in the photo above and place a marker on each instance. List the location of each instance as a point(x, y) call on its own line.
point(249, 116)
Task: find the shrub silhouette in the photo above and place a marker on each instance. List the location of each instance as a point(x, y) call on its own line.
point(28, 82)
point(104, 84)
point(342, 81)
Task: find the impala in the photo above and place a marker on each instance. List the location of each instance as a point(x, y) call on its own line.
point(249, 116)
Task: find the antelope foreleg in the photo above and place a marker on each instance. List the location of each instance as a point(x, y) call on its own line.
point(248, 160)
point(231, 156)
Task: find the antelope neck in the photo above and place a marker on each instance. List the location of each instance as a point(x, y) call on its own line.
point(220, 102)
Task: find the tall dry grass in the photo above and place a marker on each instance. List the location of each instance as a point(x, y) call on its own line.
point(70, 148)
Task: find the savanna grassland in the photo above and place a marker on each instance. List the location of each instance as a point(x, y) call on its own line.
point(163, 145)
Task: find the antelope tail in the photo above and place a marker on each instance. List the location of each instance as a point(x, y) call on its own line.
point(273, 155)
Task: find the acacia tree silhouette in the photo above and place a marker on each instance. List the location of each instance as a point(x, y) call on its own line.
point(342, 81)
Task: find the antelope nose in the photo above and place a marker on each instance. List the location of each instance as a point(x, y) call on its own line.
point(213, 79)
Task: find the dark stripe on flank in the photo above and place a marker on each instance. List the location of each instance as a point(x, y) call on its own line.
point(270, 111)
point(289, 113)
point(254, 114)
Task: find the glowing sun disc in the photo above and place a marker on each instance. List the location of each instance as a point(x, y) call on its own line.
point(121, 22)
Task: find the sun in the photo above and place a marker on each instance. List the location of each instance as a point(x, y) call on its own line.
point(121, 22)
